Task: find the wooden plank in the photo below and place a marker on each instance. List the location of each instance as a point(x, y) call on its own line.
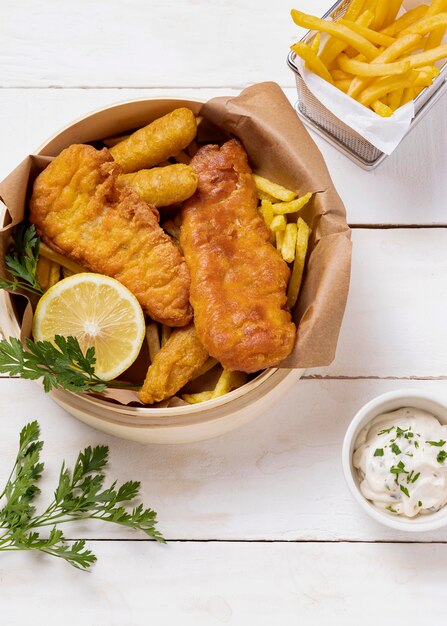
point(278, 478)
point(148, 43)
point(201, 584)
point(409, 188)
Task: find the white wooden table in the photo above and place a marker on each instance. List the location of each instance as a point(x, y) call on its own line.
point(261, 527)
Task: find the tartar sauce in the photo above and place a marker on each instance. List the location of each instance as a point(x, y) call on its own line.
point(401, 459)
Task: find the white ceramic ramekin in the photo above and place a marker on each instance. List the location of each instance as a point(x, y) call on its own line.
point(382, 404)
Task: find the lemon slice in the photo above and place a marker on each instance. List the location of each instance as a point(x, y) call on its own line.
point(100, 312)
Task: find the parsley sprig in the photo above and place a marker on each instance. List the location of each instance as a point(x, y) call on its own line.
point(21, 261)
point(60, 365)
point(80, 494)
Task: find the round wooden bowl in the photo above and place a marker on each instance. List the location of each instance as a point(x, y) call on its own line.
point(171, 425)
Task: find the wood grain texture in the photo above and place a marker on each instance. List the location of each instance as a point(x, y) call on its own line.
point(136, 583)
point(277, 478)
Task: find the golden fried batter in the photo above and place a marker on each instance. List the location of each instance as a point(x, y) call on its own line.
point(174, 365)
point(81, 212)
point(159, 140)
point(162, 186)
point(238, 279)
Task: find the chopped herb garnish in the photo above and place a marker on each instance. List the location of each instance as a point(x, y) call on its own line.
point(442, 456)
point(378, 452)
point(438, 444)
point(416, 477)
point(390, 508)
point(404, 490)
point(386, 430)
point(410, 476)
point(416, 443)
point(395, 448)
point(419, 503)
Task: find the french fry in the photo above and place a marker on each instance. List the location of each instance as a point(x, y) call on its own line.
point(55, 274)
point(279, 235)
point(395, 98)
point(165, 334)
point(387, 84)
point(196, 398)
point(427, 24)
point(206, 367)
point(380, 14)
point(344, 84)
point(262, 195)
point(266, 210)
point(275, 191)
point(279, 223)
point(382, 109)
point(302, 243)
point(333, 47)
point(399, 47)
point(43, 271)
point(393, 10)
point(153, 340)
point(283, 208)
point(371, 35)
point(228, 381)
point(338, 74)
point(435, 38)
point(51, 255)
point(437, 6)
point(315, 64)
point(407, 96)
point(336, 30)
point(406, 20)
point(315, 45)
point(372, 69)
point(427, 57)
point(66, 273)
point(355, 9)
point(289, 243)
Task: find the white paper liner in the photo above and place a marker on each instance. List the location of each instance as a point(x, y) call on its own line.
point(385, 133)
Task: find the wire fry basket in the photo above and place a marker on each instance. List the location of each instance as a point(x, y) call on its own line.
point(318, 117)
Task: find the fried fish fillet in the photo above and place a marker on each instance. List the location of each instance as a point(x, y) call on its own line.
point(81, 212)
point(174, 365)
point(238, 279)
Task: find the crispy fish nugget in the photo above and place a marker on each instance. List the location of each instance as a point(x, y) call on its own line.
point(162, 186)
point(174, 365)
point(156, 142)
point(80, 212)
point(238, 279)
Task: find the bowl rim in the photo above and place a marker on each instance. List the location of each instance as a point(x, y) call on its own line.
point(389, 401)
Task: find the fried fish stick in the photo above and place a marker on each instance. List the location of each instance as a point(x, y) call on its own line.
point(238, 279)
point(162, 186)
point(80, 212)
point(156, 142)
point(173, 366)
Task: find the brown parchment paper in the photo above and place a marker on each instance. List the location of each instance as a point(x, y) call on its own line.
point(279, 148)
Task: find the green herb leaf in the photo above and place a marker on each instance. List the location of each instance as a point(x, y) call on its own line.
point(390, 508)
point(442, 456)
point(438, 444)
point(395, 448)
point(386, 431)
point(419, 503)
point(378, 452)
point(21, 261)
point(80, 494)
point(404, 490)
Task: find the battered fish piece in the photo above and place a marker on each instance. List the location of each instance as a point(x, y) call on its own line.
point(174, 365)
point(154, 143)
point(238, 279)
point(162, 186)
point(81, 212)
